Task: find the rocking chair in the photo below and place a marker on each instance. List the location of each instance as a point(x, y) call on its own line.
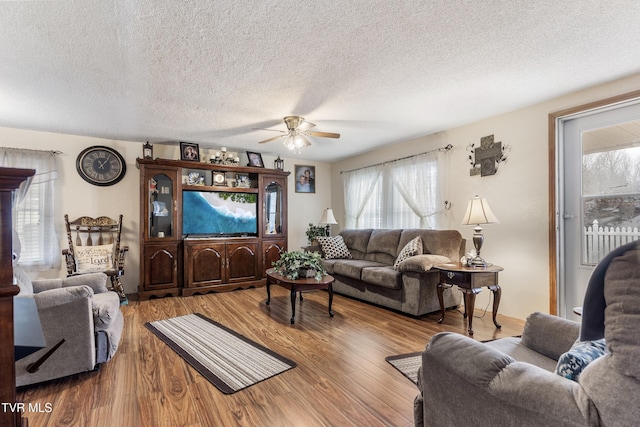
point(96, 249)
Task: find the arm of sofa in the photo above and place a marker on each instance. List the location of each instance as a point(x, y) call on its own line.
point(46, 284)
point(474, 384)
point(60, 296)
point(422, 263)
point(549, 335)
point(67, 319)
point(96, 281)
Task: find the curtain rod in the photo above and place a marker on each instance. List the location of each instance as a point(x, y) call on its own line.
point(445, 148)
point(31, 149)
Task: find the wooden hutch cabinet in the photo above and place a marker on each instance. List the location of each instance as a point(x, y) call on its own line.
point(185, 250)
point(10, 180)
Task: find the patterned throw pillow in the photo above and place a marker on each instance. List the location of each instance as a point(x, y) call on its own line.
point(414, 247)
point(573, 362)
point(334, 247)
point(93, 258)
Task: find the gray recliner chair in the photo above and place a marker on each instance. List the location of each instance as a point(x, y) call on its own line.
point(512, 381)
point(79, 310)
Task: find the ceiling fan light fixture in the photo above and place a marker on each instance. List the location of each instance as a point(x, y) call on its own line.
point(295, 142)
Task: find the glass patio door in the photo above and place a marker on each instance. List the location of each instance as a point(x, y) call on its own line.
point(600, 194)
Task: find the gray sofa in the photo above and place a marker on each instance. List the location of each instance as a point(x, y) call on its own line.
point(80, 310)
point(369, 274)
point(513, 381)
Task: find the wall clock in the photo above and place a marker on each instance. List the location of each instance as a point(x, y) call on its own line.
point(219, 178)
point(100, 165)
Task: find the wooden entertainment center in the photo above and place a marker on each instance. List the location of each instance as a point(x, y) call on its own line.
point(174, 262)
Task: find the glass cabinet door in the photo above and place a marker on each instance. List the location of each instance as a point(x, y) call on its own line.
point(273, 208)
point(161, 198)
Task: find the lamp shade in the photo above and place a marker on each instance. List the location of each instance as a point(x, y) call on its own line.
point(479, 212)
point(327, 217)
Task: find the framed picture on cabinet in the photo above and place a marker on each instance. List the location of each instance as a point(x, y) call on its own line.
point(189, 152)
point(255, 159)
point(305, 178)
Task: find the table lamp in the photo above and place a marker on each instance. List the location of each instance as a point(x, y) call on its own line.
point(478, 212)
point(328, 219)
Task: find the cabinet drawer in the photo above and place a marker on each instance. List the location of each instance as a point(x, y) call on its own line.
point(455, 278)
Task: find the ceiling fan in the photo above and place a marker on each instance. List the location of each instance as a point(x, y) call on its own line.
point(297, 131)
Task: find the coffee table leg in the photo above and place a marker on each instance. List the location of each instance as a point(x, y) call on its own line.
point(497, 293)
point(330, 288)
point(293, 305)
point(268, 292)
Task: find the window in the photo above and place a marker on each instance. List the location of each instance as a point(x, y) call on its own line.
point(33, 207)
point(403, 193)
point(610, 201)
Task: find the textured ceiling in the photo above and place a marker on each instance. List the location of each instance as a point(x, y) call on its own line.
point(376, 71)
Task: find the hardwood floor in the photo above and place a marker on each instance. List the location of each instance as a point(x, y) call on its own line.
point(342, 378)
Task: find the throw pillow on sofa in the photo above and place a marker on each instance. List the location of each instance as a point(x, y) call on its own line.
point(414, 247)
point(334, 247)
point(573, 362)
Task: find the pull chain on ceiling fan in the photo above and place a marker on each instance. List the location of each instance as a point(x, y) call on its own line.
point(297, 131)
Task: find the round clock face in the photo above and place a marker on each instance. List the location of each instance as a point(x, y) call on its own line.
point(219, 178)
point(100, 165)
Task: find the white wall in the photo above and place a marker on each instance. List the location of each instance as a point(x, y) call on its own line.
point(518, 193)
point(76, 197)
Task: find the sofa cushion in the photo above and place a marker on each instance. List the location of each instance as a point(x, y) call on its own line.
point(412, 248)
point(357, 241)
point(353, 268)
point(386, 277)
point(105, 308)
point(328, 265)
point(96, 281)
point(422, 263)
point(573, 362)
point(334, 247)
point(440, 242)
point(383, 246)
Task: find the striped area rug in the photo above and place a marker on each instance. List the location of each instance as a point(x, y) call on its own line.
point(407, 364)
point(227, 359)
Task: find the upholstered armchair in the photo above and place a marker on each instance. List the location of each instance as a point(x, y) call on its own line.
point(545, 378)
point(80, 316)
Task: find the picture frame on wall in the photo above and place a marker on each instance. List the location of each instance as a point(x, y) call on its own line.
point(305, 178)
point(189, 152)
point(255, 159)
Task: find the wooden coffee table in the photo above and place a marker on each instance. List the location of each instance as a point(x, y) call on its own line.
point(299, 285)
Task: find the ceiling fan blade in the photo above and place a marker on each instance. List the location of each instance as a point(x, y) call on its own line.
point(271, 139)
point(304, 126)
point(323, 134)
point(270, 130)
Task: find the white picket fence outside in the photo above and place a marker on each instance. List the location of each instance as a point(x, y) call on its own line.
point(599, 241)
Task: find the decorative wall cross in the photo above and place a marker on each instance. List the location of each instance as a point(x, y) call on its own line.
point(486, 158)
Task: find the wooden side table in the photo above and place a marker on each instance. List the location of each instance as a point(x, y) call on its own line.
point(470, 280)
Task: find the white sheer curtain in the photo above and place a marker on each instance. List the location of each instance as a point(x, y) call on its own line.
point(360, 186)
point(404, 193)
point(416, 180)
point(34, 207)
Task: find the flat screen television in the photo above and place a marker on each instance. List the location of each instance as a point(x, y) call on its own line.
point(219, 213)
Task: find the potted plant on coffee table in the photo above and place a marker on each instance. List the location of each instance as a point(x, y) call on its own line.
point(299, 265)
